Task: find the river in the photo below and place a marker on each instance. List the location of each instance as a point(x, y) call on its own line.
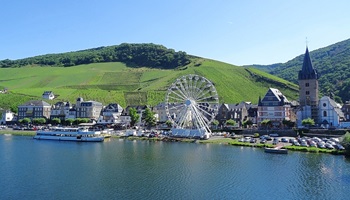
point(123, 169)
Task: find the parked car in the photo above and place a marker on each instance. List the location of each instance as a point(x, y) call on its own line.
point(336, 140)
point(275, 141)
point(312, 144)
point(268, 138)
point(329, 146)
point(321, 145)
point(247, 139)
point(263, 141)
point(296, 143)
point(304, 143)
point(339, 147)
point(316, 139)
point(285, 140)
point(252, 140)
point(331, 142)
point(291, 140)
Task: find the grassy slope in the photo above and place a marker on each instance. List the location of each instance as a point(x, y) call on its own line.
point(114, 82)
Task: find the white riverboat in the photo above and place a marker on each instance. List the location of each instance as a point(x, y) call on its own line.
point(69, 134)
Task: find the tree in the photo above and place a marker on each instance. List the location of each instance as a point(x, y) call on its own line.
point(82, 120)
point(230, 122)
point(215, 123)
point(25, 120)
point(346, 143)
point(39, 121)
point(134, 116)
point(266, 123)
point(56, 121)
point(247, 123)
point(149, 117)
point(85, 120)
point(169, 123)
point(308, 122)
point(288, 123)
point(69, 121)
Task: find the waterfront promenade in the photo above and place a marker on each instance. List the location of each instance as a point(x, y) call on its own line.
point(236, 140)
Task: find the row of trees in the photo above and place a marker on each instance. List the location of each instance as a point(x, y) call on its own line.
point(148, 118)
point(55, 121)
point(135, 55)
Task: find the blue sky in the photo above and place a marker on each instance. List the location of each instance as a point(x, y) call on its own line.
point(232, 31)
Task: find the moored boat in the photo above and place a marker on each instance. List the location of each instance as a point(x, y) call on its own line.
point(69, 134)
point(276, 150)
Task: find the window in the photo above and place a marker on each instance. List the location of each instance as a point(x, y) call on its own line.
point(278, 114)
point(324, 113)
point(324, 104)
point(307, 85)
point(307, 92)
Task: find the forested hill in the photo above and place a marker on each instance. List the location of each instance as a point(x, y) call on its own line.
point(135, 55)
point(332, 63)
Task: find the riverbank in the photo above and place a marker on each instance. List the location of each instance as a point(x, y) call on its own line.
point(19, 132)
point(213, 140)
point(235, 142)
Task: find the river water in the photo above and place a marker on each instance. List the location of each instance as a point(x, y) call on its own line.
point(123, 169)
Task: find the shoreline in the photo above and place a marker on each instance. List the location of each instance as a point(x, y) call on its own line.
point(222, 141)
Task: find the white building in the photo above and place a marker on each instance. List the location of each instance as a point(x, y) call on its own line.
point(110, 114)
point(88, 109)
point(160, 112)
point(6, 117)
point(125, 119)
point(60, 110)
point(330, 113)
point(48, 95)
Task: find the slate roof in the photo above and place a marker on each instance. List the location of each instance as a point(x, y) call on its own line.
point(113, 106)
point(274, 95)
point(307, 71)
point(36, 103)
point(47, 92)
point(336, 107)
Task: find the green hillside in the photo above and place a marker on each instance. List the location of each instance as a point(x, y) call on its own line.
point(332, 63)
point(116, 82)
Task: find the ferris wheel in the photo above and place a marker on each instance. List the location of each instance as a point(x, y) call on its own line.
point(191, 104)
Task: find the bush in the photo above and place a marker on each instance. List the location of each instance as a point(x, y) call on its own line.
point(256, 135)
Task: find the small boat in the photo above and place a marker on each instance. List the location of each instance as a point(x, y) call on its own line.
point(69, 134)
point(276, 150)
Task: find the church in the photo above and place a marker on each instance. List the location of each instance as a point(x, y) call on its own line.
point(324, 111)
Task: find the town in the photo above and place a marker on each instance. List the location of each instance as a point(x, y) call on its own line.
point(273, 111)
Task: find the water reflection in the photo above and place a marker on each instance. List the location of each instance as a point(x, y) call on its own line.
point(123, 169)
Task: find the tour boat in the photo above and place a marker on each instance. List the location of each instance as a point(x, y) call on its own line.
point(69, 134)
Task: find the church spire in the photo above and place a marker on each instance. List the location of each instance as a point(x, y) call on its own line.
point(307, 71)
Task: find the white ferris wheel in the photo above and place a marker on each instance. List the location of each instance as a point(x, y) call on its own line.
point(191, 105)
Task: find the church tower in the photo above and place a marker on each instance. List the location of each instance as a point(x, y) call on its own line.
point(308, 89)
